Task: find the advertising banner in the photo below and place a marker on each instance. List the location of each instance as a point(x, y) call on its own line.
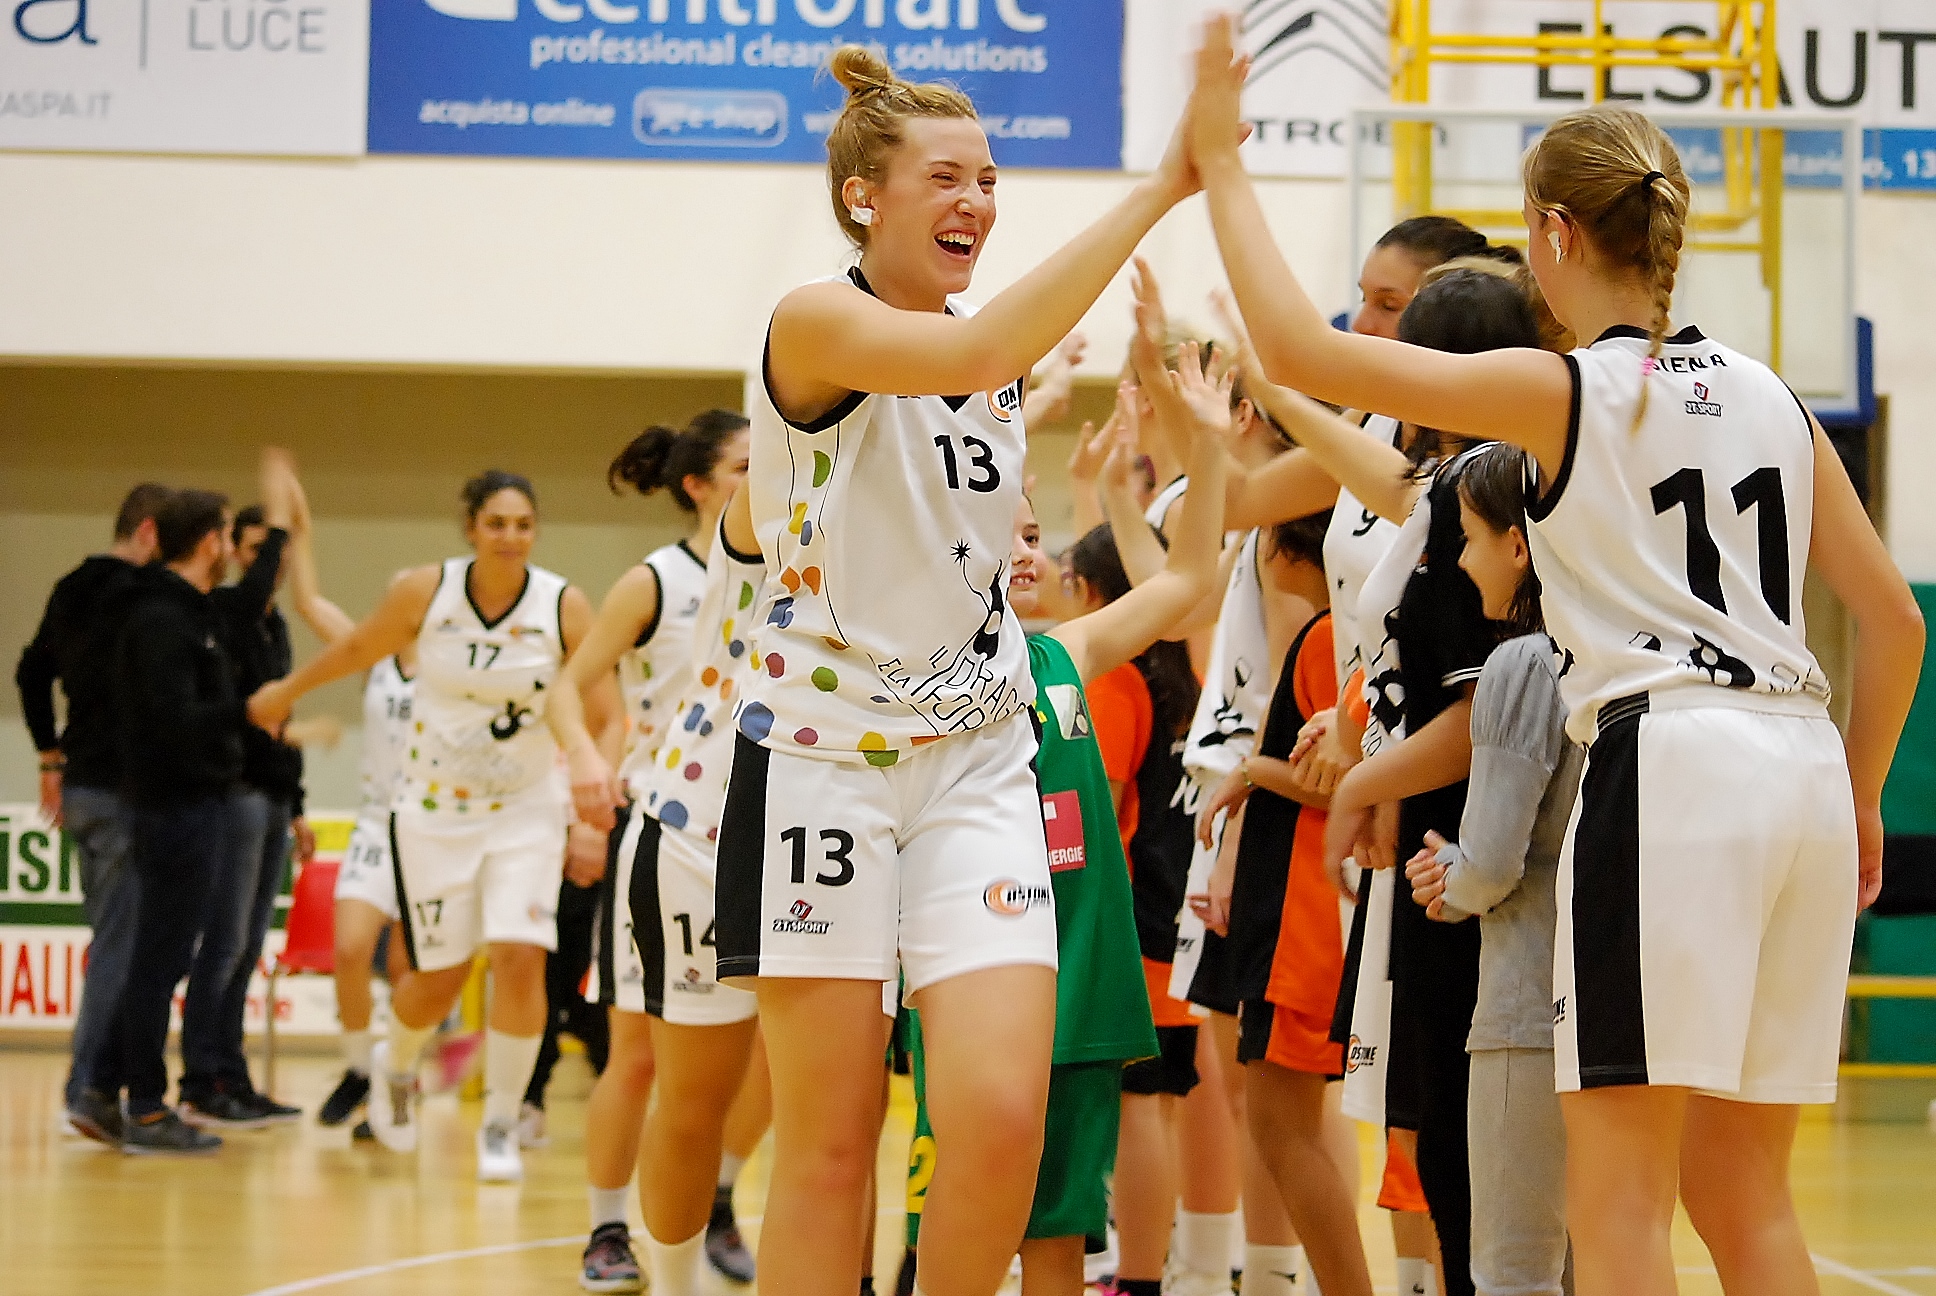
point(184, 76)
point(1315, 60)
point(731, 80)
point(44, 936)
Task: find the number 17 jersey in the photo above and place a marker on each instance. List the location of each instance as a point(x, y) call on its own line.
point(1671, 553)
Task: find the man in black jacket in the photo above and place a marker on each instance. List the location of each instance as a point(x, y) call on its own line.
point(265, 806)
point(181, 723)
point(80, 773)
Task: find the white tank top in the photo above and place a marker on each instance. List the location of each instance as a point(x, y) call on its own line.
point(1354, 542)
point(1237, 684)
point(479, 736)
point(387, 696)
point(1159, 507)
point(683, 785)
point(658, 668)
point(886, 524)
point(1671, 554)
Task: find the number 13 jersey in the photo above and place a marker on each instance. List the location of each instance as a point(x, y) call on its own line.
point(886, 524)
point(477, 734)
point(1671, 554)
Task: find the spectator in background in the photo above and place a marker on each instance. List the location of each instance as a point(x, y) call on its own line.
point(79, 774)
point(265, 810)
point(180, 723)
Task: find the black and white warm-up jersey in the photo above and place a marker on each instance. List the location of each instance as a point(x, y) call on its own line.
point(1671, 554)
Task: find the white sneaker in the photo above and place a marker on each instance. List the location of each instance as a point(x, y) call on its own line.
point(392, 1104)
point(498, 1159)
point(531, 1127)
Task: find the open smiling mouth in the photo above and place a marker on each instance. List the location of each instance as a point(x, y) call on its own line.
point(956, 243)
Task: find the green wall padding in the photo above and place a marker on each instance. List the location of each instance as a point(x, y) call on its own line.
point(1909, 797)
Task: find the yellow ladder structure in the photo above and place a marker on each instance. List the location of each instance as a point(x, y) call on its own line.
point(1740, 54)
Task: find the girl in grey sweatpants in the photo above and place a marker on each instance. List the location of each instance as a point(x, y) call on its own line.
point(1525, 774)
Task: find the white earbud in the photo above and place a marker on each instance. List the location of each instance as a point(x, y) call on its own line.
point(861, 215)
point(1553, 237)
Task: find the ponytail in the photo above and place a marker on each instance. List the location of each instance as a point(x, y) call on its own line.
point(660, 457)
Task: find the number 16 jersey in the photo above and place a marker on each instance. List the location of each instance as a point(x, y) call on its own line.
point(477, 734)
point(1671, 554)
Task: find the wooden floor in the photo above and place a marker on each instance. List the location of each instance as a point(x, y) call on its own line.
point(299, 1209)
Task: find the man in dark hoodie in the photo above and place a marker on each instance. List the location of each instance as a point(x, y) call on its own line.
point(181, 721)
point(265, 806)
point(80, 774)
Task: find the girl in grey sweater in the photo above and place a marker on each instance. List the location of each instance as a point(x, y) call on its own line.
point(1525, 774)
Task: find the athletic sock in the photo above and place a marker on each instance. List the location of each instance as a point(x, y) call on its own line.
point(1272, 1270)
point(1203, 1241)
point(729, 1168)
point(1416, 1277)
point(608, 1204)
point(356, 1051)
point(867, 1285)
point(407, 1046)
point(508, 1063)
point(1140, 1286)
point(675, 1266)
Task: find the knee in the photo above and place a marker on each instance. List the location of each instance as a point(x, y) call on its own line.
point(1004, 1132)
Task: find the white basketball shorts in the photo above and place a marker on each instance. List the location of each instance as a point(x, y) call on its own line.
point(366, 872)
point(469, 881)
point(828, 869)
point(1707, 900)
point(661, 933)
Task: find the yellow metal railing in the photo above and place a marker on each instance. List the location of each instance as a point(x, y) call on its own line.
point(1891, 987)
point(1740, 52)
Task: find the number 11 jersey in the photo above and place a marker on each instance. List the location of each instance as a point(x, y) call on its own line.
point(1671, 554)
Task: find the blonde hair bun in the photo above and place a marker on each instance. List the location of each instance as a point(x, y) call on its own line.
point(861, 71)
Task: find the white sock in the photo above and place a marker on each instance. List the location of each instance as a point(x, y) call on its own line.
point(407, 1046)
point(356, 1050)
point(508, 1063)
point(675, 1266)
point(1272, 1270)
point(608, 1204)
point(1203, 1241)
point(729, 1168)
point(1416, 1277)
point(1239, 1240)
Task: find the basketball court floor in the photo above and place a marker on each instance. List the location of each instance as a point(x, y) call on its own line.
point(299, 1209)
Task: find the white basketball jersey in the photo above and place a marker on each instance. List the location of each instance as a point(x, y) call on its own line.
point(387, 695)
point(886, 525)
point(1356, 539)
point(1159, 506)
point(478, 729)
point(1237, 682)
point(657, 669)
point(1671, 554)
point(683, 784)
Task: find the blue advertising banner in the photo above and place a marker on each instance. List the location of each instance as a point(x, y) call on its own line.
point(732, 80)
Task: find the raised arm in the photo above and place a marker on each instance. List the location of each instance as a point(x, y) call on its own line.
point(1138, 544)
point(1055, 383)
point(329, 621)
point(1110, 636)
point(1889, 639)
point(631, 606)
point(1520, 396)
point(389, 629)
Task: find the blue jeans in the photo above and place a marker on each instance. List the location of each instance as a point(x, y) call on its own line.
point(97, 823)
point(175, 852)
point(248, 877)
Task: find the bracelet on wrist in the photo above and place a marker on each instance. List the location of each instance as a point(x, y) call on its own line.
point(52, 766)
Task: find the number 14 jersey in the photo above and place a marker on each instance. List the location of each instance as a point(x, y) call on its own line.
point(1671, 554)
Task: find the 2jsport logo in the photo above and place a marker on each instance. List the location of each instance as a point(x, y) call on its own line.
point(1701, 404)
point(1359, 1054)
point(693, 983)
point(1011, 899)
point(802, 922)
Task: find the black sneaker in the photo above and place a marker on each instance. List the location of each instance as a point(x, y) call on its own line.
point(271, 1111)
point(351, 1092)
point(725, 1250)
point(97, 1116)
point(223, 1111)
point(165, 1134)
point(609, 1265)
point(362, 1133)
